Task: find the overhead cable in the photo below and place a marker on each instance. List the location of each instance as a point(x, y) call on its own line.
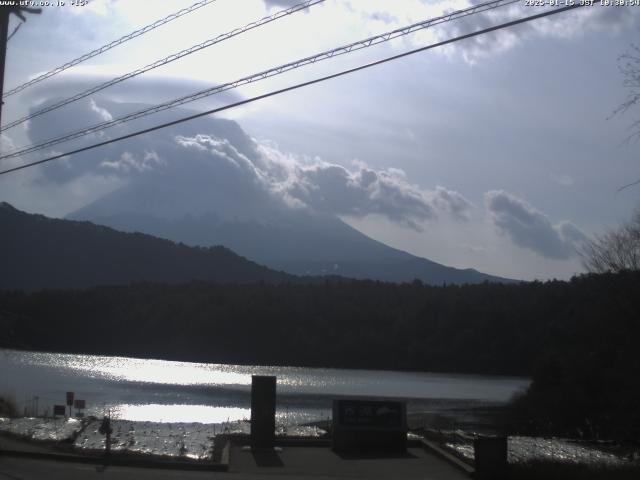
point(345, 49)
point(108, 46)
point(297, 86)
point(164, 61)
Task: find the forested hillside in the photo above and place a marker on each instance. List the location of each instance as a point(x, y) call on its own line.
point(40, 252)
point(488, 328)
point(577, 339)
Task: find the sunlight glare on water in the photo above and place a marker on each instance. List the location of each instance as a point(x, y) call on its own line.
point(170, 391)
point(155, 371)
point(179, 413)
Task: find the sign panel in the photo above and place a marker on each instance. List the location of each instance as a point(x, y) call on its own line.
point(369, 425)
point(369, 413)
point(59, 409)
point(79, 404)
point(70, 398)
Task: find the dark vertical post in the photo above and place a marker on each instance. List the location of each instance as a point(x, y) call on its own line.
point(4, 31)
point(490, 458)
point(5, 13)
point(70, 396)
point(105, 429)
point(263, 411)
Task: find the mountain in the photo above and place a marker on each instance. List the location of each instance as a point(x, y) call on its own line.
point(40, 252)
point(208, 182)
point(299, 242)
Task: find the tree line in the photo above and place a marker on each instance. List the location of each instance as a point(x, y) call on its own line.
point(577, 339)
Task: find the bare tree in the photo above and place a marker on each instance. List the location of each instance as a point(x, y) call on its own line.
point(629, 65)
point(616, 250)
point(619, 249)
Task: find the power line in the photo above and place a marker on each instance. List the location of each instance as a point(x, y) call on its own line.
point(164, 61)
point(345, 49)
point(109, 46)
point(299, 85)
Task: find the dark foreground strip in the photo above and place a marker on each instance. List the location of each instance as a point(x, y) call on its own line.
point(223, 466)
point(120, 461)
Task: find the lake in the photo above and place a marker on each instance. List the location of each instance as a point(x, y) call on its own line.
point(169, 391)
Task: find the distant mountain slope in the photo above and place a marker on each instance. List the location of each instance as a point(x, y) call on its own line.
point(299, 242)
point(40, 252)
point(208, 182)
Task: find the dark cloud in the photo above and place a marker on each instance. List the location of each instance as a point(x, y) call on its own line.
point(334, 189)
point(141, 89)
point(453, 202)
point(92, 111)
point(213, 164)
point(530, 228)
point(564, 25)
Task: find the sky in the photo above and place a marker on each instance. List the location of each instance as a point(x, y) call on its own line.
point(499, 153)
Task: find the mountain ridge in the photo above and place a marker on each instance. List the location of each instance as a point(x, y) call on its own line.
point(42, 252)
point(208, 182)
point(298, 242)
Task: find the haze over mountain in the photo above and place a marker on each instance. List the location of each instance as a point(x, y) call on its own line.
point(301, 243)
point(40, 252)
point(208, 183)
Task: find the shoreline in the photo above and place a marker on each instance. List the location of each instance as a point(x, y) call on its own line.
point(205, 448)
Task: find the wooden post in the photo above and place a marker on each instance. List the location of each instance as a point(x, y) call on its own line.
point(263, 412)
point(4, 31)
point(5, 12)
point(490, 455)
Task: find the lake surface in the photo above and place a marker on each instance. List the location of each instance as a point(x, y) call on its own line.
point(168, 391)
point(178, 408)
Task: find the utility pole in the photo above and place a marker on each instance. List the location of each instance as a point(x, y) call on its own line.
point(5, 13)
point(4, 31)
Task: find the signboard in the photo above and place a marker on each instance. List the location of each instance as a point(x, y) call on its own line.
point(59, 409)
point(70, 398)
point(369, 413)
point(369, 425)
point(79, 404)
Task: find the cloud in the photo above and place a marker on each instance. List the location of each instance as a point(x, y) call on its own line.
point(334, 189)
point(147, 88)
point(561, 26)
point(130, 162)
point(6, 143)
point(302, 182)
point(97, 110)
point(103, 113)
point(222, 168)
point(529, 228)
point(453, 202)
